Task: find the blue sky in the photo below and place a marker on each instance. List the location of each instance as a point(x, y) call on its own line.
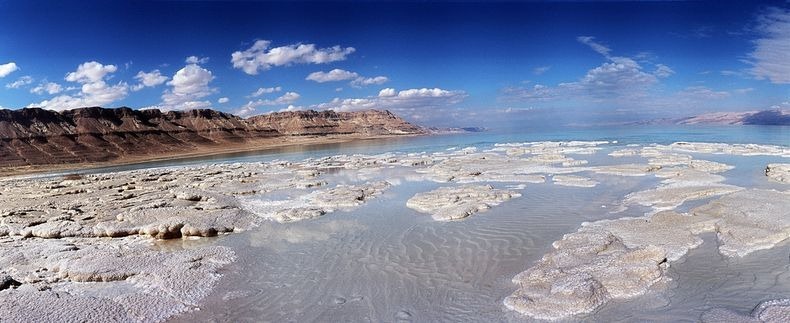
point(434, 63)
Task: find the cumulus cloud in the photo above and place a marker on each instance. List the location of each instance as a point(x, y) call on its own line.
point(47, 87)
point(252, 106)
point(618, 80)
point(292, 107)
point(149, 79)
point(771, 56)
point(223, 100)
point(90, 72)
point(621, 76)
point(337, 74)
point(94, 90)
point(364, 81)
point(7, 68)
point(405, 100)
point(20, 82)
point(261, 56)
point(331, 76)
point(196, 60)
point(188, 86)
point(265, 90)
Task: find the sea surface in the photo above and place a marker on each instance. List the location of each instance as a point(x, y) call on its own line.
point(642, 134)
point(384, 262)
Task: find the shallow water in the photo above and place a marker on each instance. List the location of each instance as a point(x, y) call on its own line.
point(647, 134)
point(386, 262)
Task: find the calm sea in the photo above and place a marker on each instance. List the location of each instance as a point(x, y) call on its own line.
point(770, 135)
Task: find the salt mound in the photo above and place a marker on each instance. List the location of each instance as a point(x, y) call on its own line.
point(778, 172)
point(453, 203)
point(774, 311)
point(750, 220)
point(623, 258)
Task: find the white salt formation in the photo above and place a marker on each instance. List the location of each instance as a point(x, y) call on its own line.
point(119, 280)
point(773, 311)
point(618, 259)
point(572, 180)
point(453, 203)
point(317, 203)
point(778, 172)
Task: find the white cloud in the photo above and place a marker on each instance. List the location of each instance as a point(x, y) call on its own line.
point(261, 57)
point(331, 76)
point(743, 90)
point(94, 90)
point(223, 100)
point(245, 111)
point(7, 68)
point(265, 90)
point(337, 74)
point(405, 100)
point(540, 70)
point(387, 92)
point(150, 79)
point(663, 71)
point(90, 72)
point(771, 56)
point(251, 107)
point(537, 92)
point(20, 82)
point(292, 108)
point(621, 76)
point(196, 60)
point(618, 80)
point(189, 85)
point(47, 87)
point(598, 47)
point(363, 81)
point(701, 93)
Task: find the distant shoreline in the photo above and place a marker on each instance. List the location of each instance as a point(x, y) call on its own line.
point(255, 146)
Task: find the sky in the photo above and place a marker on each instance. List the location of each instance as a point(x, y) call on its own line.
point(434, 63)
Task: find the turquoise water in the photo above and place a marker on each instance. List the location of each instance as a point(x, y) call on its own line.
point(385, 262)
point(769, 135)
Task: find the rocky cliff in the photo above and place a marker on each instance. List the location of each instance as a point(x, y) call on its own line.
point(370, 122)
point(38, 136)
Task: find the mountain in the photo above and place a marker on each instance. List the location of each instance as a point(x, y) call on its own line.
point(35, 136)
point(310, 122)
point(765, 117)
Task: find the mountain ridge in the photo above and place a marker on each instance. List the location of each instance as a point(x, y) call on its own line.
point(34, 136)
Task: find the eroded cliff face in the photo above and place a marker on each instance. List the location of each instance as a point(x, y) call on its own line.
point(370, 122)
point(38, 137)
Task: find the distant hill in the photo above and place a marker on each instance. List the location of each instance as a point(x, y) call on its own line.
point(765, 117)
point(36, 136)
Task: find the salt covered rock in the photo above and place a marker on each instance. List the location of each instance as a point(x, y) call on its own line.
point(453, 203)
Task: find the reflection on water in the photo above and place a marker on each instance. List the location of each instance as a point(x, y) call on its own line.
point(385, 262)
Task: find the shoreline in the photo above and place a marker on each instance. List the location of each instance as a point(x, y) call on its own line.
point(208, 151)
